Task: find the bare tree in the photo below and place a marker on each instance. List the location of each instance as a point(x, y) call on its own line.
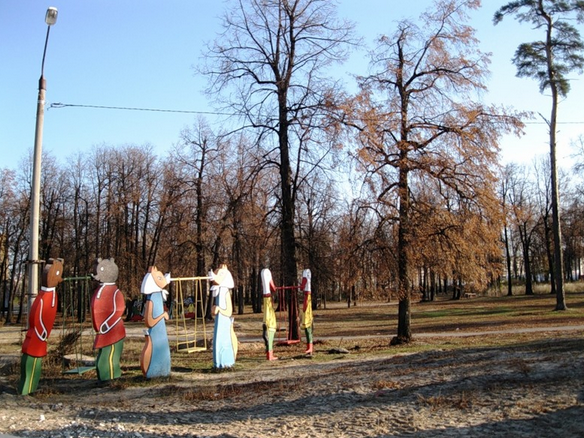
point(544, 206)
point(54, 194)
point(526, 218)
point(79, 233)
point(13, 216)
point(505, 184)
point(274, 54)
point(194, 154)
point(317, 214)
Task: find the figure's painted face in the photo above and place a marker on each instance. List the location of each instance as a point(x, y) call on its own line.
point(52, 273)
point(306, 275)
point(267, 283)
point(223, 277)
point(105, 271)
point(159, 278)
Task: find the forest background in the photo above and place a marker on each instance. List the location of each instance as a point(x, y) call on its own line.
point(216, 197)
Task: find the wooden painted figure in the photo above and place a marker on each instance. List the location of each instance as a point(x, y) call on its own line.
point(155, 357)
point(224, 339)
point(40, 322)
point(107, 307)
point(307, 318)
point(270, 323)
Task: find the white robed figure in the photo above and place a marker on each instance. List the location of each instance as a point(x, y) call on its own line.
point(224, 339)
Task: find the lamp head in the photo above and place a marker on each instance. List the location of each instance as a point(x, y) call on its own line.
point(51, 17)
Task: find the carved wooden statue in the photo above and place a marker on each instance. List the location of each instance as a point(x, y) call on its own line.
point(40, 323)
point(224, 339)
point(107, 307)
point(270, 322)
point(155, 357)
point(307, 318)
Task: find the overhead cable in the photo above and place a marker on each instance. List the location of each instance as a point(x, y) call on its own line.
point(125, 108)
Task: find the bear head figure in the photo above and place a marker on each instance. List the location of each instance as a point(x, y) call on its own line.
point(52, 273)
point(105, 270)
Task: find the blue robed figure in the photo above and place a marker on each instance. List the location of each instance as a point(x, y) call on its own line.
point(155, 357)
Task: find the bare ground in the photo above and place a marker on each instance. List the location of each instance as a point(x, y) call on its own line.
point(530, 389)
point(526, 384)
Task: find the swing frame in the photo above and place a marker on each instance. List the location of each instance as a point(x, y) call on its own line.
point(184, 342)
point(283, 322)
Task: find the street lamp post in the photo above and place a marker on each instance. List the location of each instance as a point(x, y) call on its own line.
point(33, 261)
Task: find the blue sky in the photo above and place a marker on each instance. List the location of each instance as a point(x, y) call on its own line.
point(141, 54)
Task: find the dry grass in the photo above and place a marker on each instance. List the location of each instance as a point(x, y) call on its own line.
point(365, 330)
point(463, 401)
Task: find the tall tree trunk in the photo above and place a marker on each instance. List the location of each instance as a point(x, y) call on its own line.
point(558, 278)
point(526, 260)
point(288, 242)
point(256, 292)
point(404, 332)
point(508, 260)
point(432, 285)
